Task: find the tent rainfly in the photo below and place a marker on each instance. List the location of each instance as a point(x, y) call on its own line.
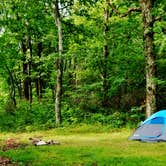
point(153, 129)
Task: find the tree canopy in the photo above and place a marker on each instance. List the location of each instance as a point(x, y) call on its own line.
point(101, 49)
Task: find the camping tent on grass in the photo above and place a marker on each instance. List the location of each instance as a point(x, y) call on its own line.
point(153, 129)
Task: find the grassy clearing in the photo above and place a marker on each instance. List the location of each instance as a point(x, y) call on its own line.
point(80, 148)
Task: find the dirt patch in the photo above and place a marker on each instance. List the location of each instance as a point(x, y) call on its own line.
point(11, 143)
point(5, 161)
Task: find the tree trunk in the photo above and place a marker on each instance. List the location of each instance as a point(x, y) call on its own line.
point(20, 86)
point(39, 80)
point(59, 66)
point(30, 69)
point(27, 83)
point(105, 56)
point(148, 21)
point(25, 70)
point(12, 93)
point(39, 88)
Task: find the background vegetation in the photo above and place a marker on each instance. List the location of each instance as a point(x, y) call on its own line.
point(97, 88)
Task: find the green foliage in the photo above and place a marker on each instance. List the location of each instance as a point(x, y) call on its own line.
point(84, 66)
point(26, 117)
point(71, 116)
point(136, 115)
point(116, 120)
point(7, 121)
point(40, 116)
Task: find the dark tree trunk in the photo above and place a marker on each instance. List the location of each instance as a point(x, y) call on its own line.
point(148, 21)
point(39, 80)
point(105, 56)
point(30, 69)
point(39, 88)
point(25, 70)
point(26, 80)
point(20, 86)
point(12, 92)
point(58, 94)
point(27, 65)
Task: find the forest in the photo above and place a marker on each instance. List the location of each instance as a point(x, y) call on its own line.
point(69, 62)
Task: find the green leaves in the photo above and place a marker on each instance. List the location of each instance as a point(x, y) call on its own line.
point(84, 63)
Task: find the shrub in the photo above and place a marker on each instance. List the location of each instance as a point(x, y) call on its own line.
point(71, 115)
point(26, 117)
point(97, 118)
point(41, 116)
point(115, 120)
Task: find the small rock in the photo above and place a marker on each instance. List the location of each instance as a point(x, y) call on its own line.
point(53, 142)
point(34, 140)
point(40, 143)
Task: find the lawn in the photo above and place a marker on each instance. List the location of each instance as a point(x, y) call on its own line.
point(82, 147)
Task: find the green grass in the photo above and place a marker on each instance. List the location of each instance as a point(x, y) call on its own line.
point(80, 147)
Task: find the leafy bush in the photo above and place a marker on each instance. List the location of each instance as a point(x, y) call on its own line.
point(6, 121)
point(26, 117)
point(97, 118)
point(136, 115)
point(71, 115)
point(41, 116)
point(115, 120)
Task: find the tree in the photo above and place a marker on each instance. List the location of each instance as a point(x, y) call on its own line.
point(105, 55)
point(98, 62)
point(148, 38)
point(59, 62)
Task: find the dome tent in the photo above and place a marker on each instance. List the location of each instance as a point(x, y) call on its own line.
point(153, 129)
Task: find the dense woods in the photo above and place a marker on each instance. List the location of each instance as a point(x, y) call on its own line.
point(73, 61)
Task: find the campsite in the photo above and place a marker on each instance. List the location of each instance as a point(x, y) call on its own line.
point(86, 146)
point(82, 82)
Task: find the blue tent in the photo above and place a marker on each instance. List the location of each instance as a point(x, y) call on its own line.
point(153, 129)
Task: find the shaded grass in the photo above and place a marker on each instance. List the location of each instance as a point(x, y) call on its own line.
point(88, 149)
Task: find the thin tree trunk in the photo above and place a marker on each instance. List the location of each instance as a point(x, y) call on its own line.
point(39, 79)
point(148, 21)
point(30, 68)
point(25, 70)
point(58, 94)
point(20, 86)
point(12, 87)
point(105, 56)
point(39, 88)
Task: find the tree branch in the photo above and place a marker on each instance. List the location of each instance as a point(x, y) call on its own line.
point(56, 12)
point(160, 18)
point(130, 10)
